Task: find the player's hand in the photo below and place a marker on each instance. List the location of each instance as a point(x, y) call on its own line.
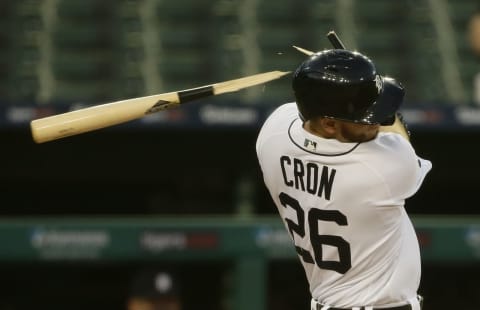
point(399, 126)
point(401, 119)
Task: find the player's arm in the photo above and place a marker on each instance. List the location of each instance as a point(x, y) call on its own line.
point(399, 126)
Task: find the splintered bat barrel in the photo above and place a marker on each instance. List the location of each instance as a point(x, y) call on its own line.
point(109, 114)
point(335, 40)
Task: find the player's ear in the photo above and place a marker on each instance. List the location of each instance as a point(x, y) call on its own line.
point(329, 125)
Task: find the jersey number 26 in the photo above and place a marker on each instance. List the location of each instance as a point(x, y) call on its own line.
point(344, 262)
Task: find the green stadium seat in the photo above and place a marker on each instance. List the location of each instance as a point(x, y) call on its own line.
point(381, 40)
point(184, 37)
point(460, 11)
point(278, 38)
point(77, 66)
point(201, 41)
point(277, 12)
point(82, 35)
point(85, 49)
point(76, 91)
point(182, 65)
point(6, 35)
point(185, 11)
point(85, 9)
point(321, 10)
point(376, 12)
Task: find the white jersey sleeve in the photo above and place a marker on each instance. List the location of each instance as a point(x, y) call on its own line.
point(393, 159)
point(343, 206)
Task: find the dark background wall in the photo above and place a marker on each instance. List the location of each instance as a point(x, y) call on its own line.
point(118, 171)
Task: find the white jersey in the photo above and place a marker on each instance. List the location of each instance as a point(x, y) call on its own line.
point(343, 205)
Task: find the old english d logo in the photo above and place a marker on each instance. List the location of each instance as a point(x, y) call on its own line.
point(158, 106)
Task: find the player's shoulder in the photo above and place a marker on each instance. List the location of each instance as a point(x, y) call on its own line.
point(395, 162)
point(286, 110)
point(277, 122)
point(282, 115)
point(391, 148)
point(391, 141)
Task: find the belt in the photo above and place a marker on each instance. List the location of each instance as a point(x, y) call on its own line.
point(418, 301)
point(404, 307)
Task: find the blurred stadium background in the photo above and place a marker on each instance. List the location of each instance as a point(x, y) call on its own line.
point(181, 189)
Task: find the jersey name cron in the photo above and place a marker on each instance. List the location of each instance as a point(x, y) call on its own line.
point(307, 177)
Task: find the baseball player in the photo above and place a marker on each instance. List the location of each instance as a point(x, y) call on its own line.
point(339, 165)
point(154, 290)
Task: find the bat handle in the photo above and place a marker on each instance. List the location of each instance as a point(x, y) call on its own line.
point(335, 40)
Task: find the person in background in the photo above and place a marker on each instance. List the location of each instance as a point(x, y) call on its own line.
point(473, 37)
point(154, 290)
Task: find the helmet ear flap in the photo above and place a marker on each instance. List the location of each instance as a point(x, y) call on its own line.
point(388, 121)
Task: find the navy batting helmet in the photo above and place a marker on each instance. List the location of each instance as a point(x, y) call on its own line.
point(345, 85)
